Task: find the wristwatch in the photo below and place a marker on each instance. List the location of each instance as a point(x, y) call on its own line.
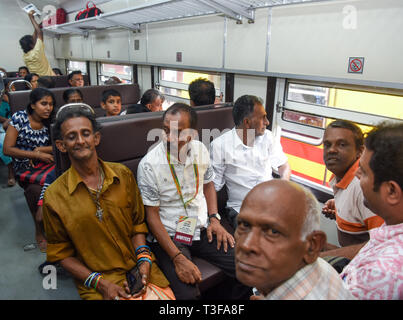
point(215, 215)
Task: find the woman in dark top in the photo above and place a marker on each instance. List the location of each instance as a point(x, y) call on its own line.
point(28, 142)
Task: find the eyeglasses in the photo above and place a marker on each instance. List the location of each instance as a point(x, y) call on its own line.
point(78, 106)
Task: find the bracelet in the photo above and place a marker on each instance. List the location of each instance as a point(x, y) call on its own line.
point(96, 282)
point(90, 278)
point(141, 260)
point(144, 255)
point(143, 251)
point(143, 246)
point(173, 258)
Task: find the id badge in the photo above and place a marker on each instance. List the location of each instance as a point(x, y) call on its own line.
point(185, 230)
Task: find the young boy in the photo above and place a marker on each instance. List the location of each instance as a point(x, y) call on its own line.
point(111, 102)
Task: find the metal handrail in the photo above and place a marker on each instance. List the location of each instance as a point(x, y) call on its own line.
point(21, 80)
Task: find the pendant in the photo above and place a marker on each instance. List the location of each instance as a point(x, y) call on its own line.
point(99, 214)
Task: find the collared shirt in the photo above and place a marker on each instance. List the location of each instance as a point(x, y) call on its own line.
point(241, 167)
point(73, 230)
point(158, 189)
point(316, 281)
point(36, 60)
point(376, 272)
point(352, 216)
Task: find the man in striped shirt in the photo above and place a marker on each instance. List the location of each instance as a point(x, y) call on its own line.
point(343, 143)
point(277, 245)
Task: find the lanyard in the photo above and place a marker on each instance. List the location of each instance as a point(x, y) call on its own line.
point(178, 187)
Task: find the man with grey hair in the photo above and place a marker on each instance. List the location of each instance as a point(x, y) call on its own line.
point(278, 242)
point(151, 101)
point(246, 155)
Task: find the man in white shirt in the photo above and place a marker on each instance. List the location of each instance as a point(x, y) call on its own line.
point(175, 181)
point(244, 157)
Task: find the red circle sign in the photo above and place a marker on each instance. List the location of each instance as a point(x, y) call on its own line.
point(356, 65)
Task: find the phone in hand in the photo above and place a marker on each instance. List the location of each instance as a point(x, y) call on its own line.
point(134, 280)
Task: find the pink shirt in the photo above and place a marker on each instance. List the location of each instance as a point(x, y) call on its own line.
point(376, 272)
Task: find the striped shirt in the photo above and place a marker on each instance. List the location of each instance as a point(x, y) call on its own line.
point(316, 281)
point(352, 216)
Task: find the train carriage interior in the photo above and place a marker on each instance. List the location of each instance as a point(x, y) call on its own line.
point(310, 61)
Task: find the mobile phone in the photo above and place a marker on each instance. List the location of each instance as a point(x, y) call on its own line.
point(134, 280)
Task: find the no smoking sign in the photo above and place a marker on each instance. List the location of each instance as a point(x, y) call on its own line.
point(355, 64)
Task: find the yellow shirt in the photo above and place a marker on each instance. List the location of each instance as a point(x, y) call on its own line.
point(73, 230)
point(36, 60)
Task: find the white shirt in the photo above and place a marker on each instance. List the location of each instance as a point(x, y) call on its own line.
point(241, 167)
point(158, 189)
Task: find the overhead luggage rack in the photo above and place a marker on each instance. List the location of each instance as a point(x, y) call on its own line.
point(165, 10)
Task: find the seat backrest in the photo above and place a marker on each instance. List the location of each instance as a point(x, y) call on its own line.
point(62, 81)
point(18, 86)
point(126, 139)
point(92, 96)
point(58, 81)
point(12, 74)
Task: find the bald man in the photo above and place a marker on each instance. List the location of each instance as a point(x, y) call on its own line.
point(278, 242)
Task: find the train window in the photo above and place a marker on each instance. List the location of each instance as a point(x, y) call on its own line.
point(380, 104)
point(108, 70)
point(174, 83)
point(305, 109)
point(77, 65)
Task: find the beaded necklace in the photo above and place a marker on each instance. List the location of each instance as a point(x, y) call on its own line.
point(100, 212)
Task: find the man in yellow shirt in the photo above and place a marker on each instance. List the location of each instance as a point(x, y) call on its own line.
point(94, 216)
point(34, 51)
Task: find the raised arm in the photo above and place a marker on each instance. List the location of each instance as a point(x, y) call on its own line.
point(38, 33)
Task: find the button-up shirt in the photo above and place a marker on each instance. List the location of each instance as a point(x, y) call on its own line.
point(241, 167)
point(73, 229)
point(315, 281)
point(376, 272)
point(158, 188)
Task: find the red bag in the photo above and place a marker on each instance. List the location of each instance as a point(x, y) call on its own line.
point(58, 18)
point(88, 12)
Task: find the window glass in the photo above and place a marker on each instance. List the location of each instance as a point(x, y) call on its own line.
point(77, 65)
point(304, 118)
point(174, 83)
point(380, 104)
point(308, 109)
point(187, 77)
point(108, 72)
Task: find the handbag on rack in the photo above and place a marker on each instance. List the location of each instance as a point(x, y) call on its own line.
point(58, 18)
point(88, 12)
